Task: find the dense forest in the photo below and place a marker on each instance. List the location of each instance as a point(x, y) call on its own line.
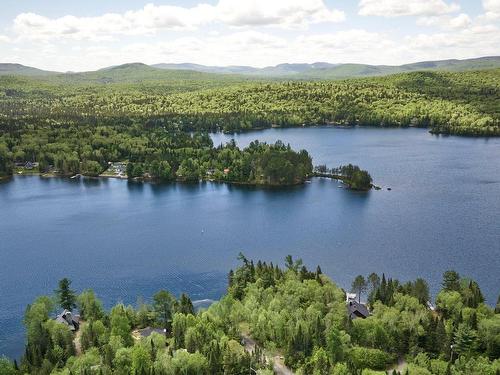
point(270, 314)
point(150, 153)
point(464, 103)
point(80, 123)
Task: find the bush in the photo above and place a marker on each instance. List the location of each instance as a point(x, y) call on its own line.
point(369, 358)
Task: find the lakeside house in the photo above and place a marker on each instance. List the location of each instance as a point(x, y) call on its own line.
point(27, 165)
point(118, 169)
point(356, 309)
point(67, 318)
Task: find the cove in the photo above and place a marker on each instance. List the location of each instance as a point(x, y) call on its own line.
point(127, 239)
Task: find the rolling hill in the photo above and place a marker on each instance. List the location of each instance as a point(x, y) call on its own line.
point(142, 73)
point(322, 70)
point(21, 70)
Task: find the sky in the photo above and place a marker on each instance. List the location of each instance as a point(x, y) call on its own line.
point(80, 35)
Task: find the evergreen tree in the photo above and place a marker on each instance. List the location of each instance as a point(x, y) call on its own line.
point(66, 296)
point(465, 341)
point(451, 281)
point(185, 305)
point(163, 303)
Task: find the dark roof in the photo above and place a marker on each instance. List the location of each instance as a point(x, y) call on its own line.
point(72, 321)
point(357, 310)
point(146, 332)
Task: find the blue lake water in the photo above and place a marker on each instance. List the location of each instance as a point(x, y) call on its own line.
point(127, 240)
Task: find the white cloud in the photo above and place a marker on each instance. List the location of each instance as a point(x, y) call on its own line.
point(239, 48)
point(446, 22)
point(153, 18)
point(396, 8)
point(287, 13)
point(144, 21)
point(492, 9)
point(474, 41)
point(250, 32)
point(348, 41)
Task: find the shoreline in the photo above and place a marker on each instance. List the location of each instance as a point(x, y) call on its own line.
point(340, 178)
point(154, 181)
point(344, 180)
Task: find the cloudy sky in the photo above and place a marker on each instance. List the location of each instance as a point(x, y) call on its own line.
point(85, 35)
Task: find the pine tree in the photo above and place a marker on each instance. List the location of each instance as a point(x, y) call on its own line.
point(451, 281)
point(465, 340)
point(382, 295)
point(442, 344)
point(185, 305)
point(66, 296)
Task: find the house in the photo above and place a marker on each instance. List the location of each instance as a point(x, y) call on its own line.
point(148, 331)
point(67, 318)
point(356, 309)
point(30, 165)
point(226, 170)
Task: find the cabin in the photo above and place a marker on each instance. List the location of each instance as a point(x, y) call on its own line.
point(148, 331)
point(356, 309)
point(68, 319)
point(30, 165)
point(27, 165)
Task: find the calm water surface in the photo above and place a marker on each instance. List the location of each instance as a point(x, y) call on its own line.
point(127, 240)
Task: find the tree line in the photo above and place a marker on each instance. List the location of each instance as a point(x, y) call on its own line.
point(463, 103)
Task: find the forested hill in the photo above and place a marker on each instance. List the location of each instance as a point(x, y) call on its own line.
point(22, 70)
point(465, 103)
point(291, 316)
point(317, 70)
point(322, 70)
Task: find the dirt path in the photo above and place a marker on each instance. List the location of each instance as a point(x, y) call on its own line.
point(279, 366)
point(76, 340)
point(399, 367)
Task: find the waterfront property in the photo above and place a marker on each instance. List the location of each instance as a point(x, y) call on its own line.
point(67, 318)
point(356, 309)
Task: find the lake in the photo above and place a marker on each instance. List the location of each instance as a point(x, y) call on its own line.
point(128, 240)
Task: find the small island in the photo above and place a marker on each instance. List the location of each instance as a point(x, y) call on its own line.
point(352, 176)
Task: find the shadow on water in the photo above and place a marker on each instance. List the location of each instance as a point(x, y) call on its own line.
point(92, 181)
point(161, 188)
point(135, 186)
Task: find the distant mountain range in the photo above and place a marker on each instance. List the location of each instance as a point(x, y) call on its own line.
point(323, 70)
point(318, 70)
